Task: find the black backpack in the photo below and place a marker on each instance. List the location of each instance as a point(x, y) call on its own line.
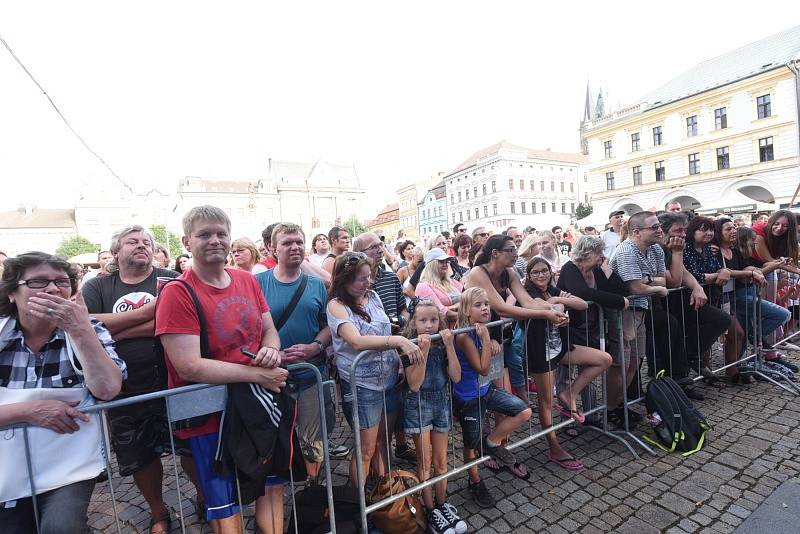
point(681, 427)
point(313, 512)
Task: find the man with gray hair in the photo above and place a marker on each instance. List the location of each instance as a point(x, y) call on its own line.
point(125, 302)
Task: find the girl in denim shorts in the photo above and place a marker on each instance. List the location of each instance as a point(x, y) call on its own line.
point(426, 414)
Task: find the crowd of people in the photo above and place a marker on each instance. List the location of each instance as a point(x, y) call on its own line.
point(240, 311)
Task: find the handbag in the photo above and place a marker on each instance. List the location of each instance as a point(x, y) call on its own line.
point(403, 516)
point(56, 460)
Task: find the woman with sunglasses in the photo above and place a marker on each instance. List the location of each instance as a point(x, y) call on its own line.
point(42, 317)
point(358, 322)
point(547, 346)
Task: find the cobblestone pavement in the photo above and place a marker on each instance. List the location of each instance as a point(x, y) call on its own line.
point(754, 447)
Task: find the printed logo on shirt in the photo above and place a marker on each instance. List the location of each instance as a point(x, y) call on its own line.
point(237, 322)
point(132, 301)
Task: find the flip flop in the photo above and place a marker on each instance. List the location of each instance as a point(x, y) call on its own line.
point(493, 465)
point(519, 470)
point(572, 414)
point(167, 519)
point(569, 463)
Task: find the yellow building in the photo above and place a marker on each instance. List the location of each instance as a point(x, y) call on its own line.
point(409, 216)
point(722, 137)
point(386, 223)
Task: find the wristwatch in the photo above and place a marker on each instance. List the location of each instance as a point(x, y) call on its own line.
point(321, 345)
point(649, 278)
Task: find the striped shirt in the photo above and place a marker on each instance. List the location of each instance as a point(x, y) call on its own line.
point(631, 264)
point(51, 367)
point(388, 288)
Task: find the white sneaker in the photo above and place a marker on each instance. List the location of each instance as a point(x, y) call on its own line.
point(788, 346)
point(438, 524)
point(451, 514)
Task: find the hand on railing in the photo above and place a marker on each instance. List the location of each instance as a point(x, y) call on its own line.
point(698, 298)
point(273, 378)
point(267, 357)
point(58, 416)
point(410, 349)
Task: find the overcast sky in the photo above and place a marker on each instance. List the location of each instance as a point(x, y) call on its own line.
point(163, 90)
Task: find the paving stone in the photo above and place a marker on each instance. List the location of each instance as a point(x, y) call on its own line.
point(656, 516)
point(677, 504)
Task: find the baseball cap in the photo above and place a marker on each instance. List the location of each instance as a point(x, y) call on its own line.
point(615, 213)
point(435, 254)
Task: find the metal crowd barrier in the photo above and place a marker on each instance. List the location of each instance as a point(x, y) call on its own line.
point(183, 403)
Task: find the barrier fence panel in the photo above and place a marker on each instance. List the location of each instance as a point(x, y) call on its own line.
point(182, 403)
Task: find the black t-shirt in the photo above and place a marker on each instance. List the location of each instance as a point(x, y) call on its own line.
point(565, 247)
point(109, 294)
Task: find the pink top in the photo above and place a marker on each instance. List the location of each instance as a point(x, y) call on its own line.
point(439, 297)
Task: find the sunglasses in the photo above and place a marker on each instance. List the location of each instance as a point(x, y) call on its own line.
point(482, 234)
point(462, 230)
point(655, 227)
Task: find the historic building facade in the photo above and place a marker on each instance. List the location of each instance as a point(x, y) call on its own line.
point(722, 137)
point(432, 212)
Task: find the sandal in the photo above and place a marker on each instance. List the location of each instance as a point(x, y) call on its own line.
point(569, 463)
point(572, 414)
point(519, 470)
point(164, 519)
point(493, 465)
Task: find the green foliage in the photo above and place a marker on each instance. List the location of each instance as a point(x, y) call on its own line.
point(159, 232)
point(72, 246)
point(354, 226)
point(583, 210)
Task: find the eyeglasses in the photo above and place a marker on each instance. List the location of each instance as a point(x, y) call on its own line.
point(482, 234)
point(376, 246)
point(462, 230)
point(655, 227)
point(41, 283)
point(511, 250)
point(543, 272)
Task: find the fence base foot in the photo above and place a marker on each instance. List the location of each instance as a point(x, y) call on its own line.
point(633, 437)
point(614, 436)
point(793, 389)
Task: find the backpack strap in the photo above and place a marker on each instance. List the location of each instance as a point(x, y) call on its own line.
point(205, 350)
point(287, 312)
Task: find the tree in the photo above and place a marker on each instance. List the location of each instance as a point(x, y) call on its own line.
point(583, 210)
point(72, 246)
point(354, 226)
point(160, 233)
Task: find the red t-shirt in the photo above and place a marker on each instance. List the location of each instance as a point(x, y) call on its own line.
point(759, 229)
point(269, 262)
point(233, 318)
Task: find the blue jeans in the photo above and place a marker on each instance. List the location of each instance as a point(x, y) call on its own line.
point(60, 510)
point(772, 315)
point(370, 404)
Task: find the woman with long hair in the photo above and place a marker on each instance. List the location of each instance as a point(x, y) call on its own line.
point(358, 322)
point(530, 248)
point(436, 285)
point(461, 246)
point(320, 248)
point(182, 263)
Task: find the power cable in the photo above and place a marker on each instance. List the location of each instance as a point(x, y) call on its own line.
point(63, 118)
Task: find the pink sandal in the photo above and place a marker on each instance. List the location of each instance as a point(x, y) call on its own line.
point(569, 463)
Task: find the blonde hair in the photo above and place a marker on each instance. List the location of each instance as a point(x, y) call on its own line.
point(468, 298)
point(431, 240)
point(247, 243)
point(430, 275)
point(410, 330)
point(207, 213)
point(527, 244)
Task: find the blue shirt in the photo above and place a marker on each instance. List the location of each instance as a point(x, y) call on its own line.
point(468, 388)
point(308, 317)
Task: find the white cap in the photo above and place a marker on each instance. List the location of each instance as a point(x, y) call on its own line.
point(436, 254)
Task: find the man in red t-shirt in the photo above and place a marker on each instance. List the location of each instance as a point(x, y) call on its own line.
point(237, 317)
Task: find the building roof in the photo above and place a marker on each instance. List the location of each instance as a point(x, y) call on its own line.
point(225, 186)
point(321, 173)
point(389, 213)
point(569, 157)
point(37, 218)
point(767, 54)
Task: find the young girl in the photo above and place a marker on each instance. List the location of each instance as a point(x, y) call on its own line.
point(426, 414)
point(473, 396)
point(547, 346)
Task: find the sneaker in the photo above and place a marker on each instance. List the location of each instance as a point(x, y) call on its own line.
point(788, 346)
point(337, 451)
point(406, 453)
point(450, 513)
point(438, 523)
point(480, 494)
point(499, 453)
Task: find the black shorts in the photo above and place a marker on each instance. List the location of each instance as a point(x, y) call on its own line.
point(140, 434)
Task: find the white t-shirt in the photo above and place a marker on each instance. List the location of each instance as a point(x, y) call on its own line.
point(317, 259)
point(611, 239)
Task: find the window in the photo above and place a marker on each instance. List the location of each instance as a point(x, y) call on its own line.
point(637, 175)
point(476, 213)
point(533, 207)
point(607, 148)
point(563, 207)
point(562, 186)
point(513, 208)
point(475, 191)
point(523, 207)
point(765, 149)
point(494, 209)
point(486, 211)
point(552, 186)
point(572, 207)
point(764, 106)
point(553, 207)
point(466, 194)
point(460, 216)
point(720, 119)
point(484, 189)
point(571, 187)
point(544, 207)
point(494, 186)
point(661, 172)
point(522, 185)
point(469, 215)
point(657, 136)
point(691, 126)
point(609, 181)
point(723, 161)
point(634, 142)
point(452, 198)
point(533, 182)
point(541, 185)
point(510, 184)
point(694, 163)
point(459, 196)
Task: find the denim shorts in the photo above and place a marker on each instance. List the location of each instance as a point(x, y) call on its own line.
point(370, 404)
point(513, 352)
point(471, 412)
point(434, 409)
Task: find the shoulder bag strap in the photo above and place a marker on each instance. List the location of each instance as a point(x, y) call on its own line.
point(292, 303)
point(205, 349)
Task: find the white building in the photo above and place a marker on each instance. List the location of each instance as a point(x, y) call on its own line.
point(721, 137)
point(31, 229)
point(506, 184)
